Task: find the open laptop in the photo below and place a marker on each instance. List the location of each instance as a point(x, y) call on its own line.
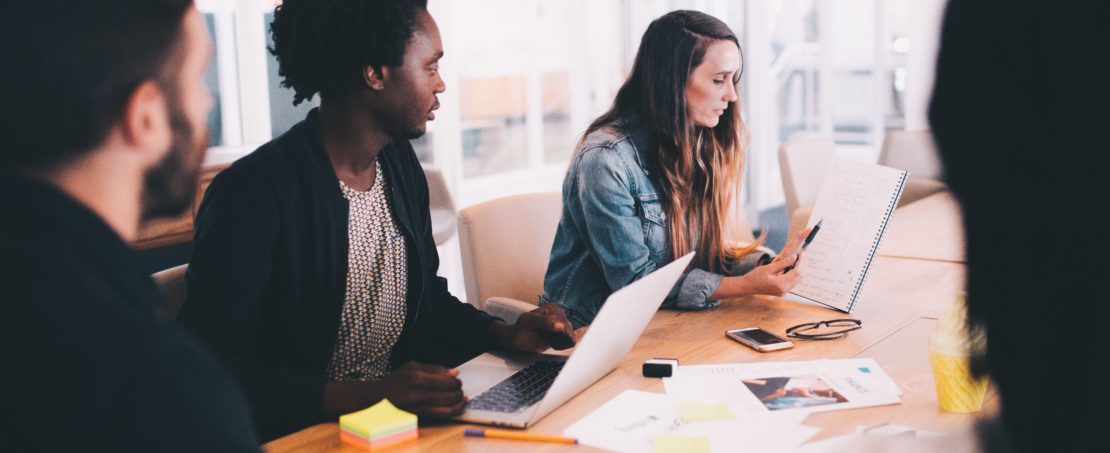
point(517, 390)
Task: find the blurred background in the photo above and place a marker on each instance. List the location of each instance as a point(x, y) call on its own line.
point(525, 77)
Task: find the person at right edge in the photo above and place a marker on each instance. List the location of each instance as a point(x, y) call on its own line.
point(1019, 113)
point(656, 177)
point(1020, 110)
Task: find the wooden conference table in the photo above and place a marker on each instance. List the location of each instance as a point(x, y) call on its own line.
point(930, 228)
point(901, 300)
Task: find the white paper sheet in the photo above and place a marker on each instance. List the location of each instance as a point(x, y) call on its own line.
point(865, 370)
point(813, 386)
point(855, 202)
point(857, 440)
point(630, 422)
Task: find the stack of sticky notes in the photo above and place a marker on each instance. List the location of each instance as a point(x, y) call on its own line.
point(379, 426)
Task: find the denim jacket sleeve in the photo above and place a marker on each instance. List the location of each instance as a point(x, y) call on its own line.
point(693, 291)
point(616, 231)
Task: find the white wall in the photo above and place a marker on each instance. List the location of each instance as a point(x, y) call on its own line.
point(924, 33)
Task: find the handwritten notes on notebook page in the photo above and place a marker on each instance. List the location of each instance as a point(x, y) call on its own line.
point(856, 202)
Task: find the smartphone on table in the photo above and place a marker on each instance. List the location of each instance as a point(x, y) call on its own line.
point(759, 339)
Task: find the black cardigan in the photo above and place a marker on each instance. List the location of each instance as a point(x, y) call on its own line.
point(267, 278)
point(88, 362)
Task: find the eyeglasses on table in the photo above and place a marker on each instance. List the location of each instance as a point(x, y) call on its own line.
point(824, 330)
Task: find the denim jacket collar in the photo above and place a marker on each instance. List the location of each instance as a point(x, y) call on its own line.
point(642, 140)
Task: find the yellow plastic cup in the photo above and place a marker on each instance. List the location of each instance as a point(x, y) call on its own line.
point(957, 390)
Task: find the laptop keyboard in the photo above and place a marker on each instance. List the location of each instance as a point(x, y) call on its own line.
point(520, 390)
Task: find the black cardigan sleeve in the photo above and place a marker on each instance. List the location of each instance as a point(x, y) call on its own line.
point(448, 331)
point(231, 265)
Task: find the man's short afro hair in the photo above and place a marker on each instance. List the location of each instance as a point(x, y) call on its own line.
point(322, 46)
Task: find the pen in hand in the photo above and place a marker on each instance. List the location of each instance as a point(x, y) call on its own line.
point(805, 244)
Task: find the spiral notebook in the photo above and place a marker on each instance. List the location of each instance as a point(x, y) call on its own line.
point(856, 202)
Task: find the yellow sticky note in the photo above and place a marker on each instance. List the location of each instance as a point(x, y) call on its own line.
point(697, 412)
point(666, 443)
point(379, 420)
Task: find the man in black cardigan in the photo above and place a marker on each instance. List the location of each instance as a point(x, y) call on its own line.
point(267, 279)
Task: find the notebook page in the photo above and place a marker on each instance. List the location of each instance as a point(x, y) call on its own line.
point(855, 202)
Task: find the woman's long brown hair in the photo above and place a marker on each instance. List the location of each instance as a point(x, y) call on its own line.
point(699, 167)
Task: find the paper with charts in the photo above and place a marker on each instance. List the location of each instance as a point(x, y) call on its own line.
point(762, 387)
point(855, 204)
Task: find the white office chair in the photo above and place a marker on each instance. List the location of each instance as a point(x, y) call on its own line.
point(505, 245)
point(803, 163)
point(441, 204)
point(914, 152)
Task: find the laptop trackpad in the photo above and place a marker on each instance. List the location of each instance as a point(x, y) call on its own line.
point(488, 369)
point(478, 378)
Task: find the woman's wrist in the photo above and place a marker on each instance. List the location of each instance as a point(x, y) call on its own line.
point(743, 285)
point(732, 286)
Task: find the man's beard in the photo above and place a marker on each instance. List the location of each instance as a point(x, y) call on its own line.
point(169, 186)
point(407, 126)
point(410, 134)
point(407, 132)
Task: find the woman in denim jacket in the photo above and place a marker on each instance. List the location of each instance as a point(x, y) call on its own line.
point(655, 177)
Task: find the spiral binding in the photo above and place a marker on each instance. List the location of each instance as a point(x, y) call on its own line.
point(878, 240)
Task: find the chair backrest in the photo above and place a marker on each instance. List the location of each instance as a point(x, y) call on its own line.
point(441, 204)
point(505, 245)
point(913, 151)
point(172, 282)
point(803, 163)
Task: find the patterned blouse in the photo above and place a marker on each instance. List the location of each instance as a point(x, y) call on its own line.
point(377, 277)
